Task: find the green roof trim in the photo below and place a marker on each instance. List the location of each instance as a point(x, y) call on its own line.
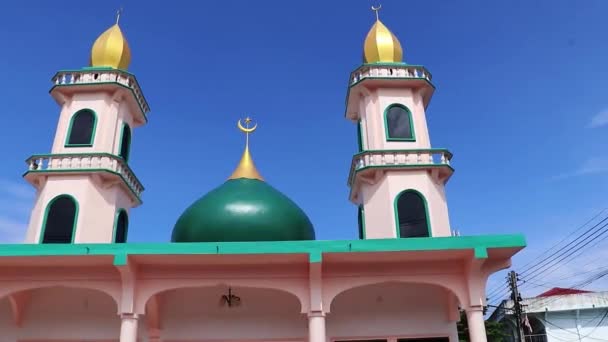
point(96, 69)
point(408, 150)
point(314, 248)
point(122, 71)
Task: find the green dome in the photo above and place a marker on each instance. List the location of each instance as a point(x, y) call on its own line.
point(243, 209)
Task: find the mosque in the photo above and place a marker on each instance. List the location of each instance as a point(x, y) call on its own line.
point(243, 264)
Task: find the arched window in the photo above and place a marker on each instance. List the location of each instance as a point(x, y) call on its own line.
point(411, 215)
point(81, 131)
point(60, 220)
point(359, 137)
point(361, 222)
point(121, 227)
point(125, 142)
point(398, 123)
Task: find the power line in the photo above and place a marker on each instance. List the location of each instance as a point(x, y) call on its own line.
point(566, 253)
point(593, 230)
point(499, 289)
point(578, 285)
point(565, 238)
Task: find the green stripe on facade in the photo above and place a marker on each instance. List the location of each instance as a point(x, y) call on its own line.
point(315, 249)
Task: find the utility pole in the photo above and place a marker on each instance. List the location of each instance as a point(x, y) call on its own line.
point(516, 297)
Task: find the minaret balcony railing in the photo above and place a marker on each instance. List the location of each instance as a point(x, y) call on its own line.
point(397, 71)
point(102, 76)
point(412, 158)
point(85, 163)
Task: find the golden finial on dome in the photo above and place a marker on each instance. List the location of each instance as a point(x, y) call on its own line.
point(111, 48)
point(246, 167)
point(381, 45)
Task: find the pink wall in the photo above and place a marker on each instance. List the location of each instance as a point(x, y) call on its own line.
point(111, 113)
point(63, 313)
point(98, 201)
point(390, 294)
point(371, 108)
point(378, 196)
point(391, 309)
point(264, 314)
point(196, 314)
point(97, 207)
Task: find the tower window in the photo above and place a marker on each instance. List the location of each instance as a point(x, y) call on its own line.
point(398, 123)
point(60, 220)
point(361, 222)
point(359, 137)
point(125, 142)
point(121, 227)
point(81, 131)
point(411, 214)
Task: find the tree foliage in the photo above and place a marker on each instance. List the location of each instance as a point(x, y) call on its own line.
point(495, 331)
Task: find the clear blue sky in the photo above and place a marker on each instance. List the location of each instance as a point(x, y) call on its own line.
point(518, 87)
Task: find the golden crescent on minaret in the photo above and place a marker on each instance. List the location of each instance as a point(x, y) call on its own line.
point(246, 167)
point(246, 130)
point(377, 9)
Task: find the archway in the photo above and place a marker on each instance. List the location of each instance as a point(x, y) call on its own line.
point(538, 333)
point(393, 309)
point(57, 313)
point(229, 313)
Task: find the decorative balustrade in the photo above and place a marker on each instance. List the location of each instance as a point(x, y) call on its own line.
point(84, 76)
point(390, 71)
point(396, 158)
point(86, 162)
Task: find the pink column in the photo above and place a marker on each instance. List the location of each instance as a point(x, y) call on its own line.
point(154, 335)
point(316, 326)
point(128, 327)
point(477, 328)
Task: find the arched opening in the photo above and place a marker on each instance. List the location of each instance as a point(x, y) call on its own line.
point(411, 215)
point(398, 123)
point(60, 220)
point(121, 226)
point(509, 330)
point(361, 222)
point(406, 310)
point(61, 313)
point(226, 312)
point(81, 131)
point(125, 142)
point(538, 333)
point(359, 137)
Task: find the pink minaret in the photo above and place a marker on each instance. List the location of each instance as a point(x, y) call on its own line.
point(397, 179)
point(85, 187)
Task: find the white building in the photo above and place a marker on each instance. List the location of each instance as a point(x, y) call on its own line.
point(559, 315)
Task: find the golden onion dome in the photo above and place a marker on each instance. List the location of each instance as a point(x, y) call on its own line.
point(381, 45)
point(111, 49)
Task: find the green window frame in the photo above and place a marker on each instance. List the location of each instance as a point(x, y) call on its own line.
point(361, 222)
point(387, 130)
point(359, 136)
point(43, 229)
point(426, 212)
point(115, 234)
point(93, 129)
point(124, 148)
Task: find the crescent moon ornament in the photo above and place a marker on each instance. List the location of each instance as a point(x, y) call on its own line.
point(377, 9)
point(244, 129)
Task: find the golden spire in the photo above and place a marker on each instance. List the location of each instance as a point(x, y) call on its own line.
point(111, 48)
point(381, 45)
point(246, 167)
